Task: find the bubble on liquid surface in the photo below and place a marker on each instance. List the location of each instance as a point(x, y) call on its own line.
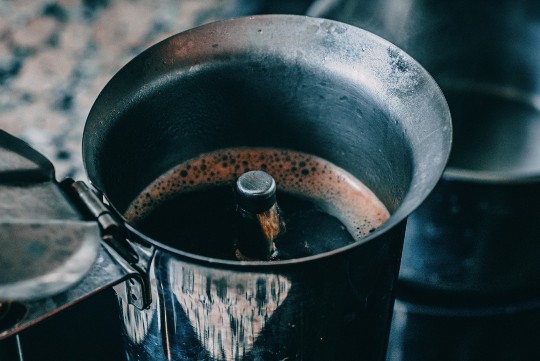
point(334, 189)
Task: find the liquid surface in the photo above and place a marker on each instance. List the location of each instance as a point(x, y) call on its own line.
point(192, 206)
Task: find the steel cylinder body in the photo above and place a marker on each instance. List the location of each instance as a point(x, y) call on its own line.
point(287, 82)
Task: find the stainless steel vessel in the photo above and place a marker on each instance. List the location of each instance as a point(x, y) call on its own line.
point(292, 82)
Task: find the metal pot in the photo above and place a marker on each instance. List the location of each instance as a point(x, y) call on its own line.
point(306, 84)
point(437, 331)
point(470, 265)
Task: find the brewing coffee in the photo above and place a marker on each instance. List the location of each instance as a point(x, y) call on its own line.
point(192, 207)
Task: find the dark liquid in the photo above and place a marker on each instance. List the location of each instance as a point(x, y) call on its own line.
point(192, 207)
point(205, 223)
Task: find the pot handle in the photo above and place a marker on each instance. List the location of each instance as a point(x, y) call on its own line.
point(59, 243)
point(110, 269)
point(131, 252)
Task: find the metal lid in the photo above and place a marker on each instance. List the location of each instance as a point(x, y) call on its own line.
point(47, 246)
point(256, 191)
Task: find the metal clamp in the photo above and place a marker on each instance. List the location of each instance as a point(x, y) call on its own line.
point(134, 259)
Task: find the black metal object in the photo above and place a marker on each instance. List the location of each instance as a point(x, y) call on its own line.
point(477, 240)
point(259, 220)
point(256, 191)
point(311, 85)
point(88, 331)
point(425, 332)
point(10, 349)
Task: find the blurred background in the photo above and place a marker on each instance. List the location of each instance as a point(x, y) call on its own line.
point(56, 56)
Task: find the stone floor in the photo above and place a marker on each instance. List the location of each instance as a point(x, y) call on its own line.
point(56, 56)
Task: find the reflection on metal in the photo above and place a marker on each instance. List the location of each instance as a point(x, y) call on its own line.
point(136, 321)
point(42, 258)
point(227, 309)
point(46, 245)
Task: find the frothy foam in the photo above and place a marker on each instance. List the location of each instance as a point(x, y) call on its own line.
point(338, 192)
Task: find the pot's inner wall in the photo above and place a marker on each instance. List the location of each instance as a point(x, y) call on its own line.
point(270, 104)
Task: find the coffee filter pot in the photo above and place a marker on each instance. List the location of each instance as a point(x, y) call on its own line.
point(272, 81)
point(288, 82)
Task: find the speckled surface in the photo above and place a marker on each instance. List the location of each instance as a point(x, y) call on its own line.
point(57, 55)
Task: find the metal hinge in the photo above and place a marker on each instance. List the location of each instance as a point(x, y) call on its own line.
point(135, 260)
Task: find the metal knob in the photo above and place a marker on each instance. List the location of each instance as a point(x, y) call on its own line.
point(256, 191)
point(259, 216)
